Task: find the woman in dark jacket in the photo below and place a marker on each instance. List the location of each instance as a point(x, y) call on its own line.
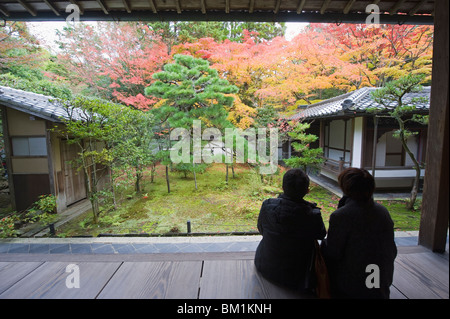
point(359, 249)
point(289, 225)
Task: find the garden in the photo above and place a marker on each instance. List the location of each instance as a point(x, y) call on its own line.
point(216, 207)
point(125, 89)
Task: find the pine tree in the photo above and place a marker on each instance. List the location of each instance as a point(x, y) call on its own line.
point(391, 97)
point(191, 90)
point(309, 157)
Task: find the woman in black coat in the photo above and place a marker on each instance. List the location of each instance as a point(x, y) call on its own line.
point(359, 249)
point(289, 225)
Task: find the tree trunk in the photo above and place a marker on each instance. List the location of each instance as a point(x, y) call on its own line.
point(91, 190)
point(195, 175)
point(167, 179)
point(415, 188)
point(89, 193)
point(226, 176)
point(152, 176)
point(93, 197)
point(89, 183)
point(113, 190)
point(137, 185)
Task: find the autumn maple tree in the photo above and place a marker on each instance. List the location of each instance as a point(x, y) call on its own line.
point(18, 47)
point(114, 60)
point(381, 53)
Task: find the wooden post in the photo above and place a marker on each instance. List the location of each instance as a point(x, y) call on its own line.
point(374, 147)
point(341, 164)
point(48, 127)
point(188, 223)
point(435, 208)
point(8, 154)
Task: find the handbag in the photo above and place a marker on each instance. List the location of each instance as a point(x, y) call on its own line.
point(322, 278)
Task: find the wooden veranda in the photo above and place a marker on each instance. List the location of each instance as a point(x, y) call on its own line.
point(418, 274)
point(435, 208)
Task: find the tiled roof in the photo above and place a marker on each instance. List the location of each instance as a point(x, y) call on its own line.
point(39, 105)
point(352, 103)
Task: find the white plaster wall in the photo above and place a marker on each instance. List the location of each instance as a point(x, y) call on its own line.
point(381, 150)
point(357, 142)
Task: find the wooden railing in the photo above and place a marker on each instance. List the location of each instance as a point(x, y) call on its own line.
point(334, 165)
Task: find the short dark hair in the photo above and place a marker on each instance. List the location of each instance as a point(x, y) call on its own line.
point(295, 183)
point(357, 183)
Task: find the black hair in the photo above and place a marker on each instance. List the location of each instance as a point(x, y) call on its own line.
point(357, 183)
point(295, 183)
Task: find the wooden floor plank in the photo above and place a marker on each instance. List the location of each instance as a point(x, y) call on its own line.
point(48, 281)
point(276, 292)
point(229, 279)
point(184, 280)
point(396, 294)
point(154, 280)
point(12, 272)
point(128, 257)
point(427, 272)
point(237, 279)
point(413, 284)
point(419, 274)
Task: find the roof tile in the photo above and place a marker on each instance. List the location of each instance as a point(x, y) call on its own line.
point(358, 101)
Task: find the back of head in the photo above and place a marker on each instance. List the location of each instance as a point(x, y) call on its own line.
point(357, 183)
point(295, 183)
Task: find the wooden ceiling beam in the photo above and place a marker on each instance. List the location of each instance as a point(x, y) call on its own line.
point(300, 6)
point(203, 6)
point(227, 6)
point(417, 7)
point(396, 6)
point(348, 6)
point(77, 4)
point(325, 5)
point(177, 4)
point(51, 6)
point(126, 5)
point(152, 6)
point(277, 6)
point(103, 6)
point(4, 11)
point(252, 6)
point(30, 9)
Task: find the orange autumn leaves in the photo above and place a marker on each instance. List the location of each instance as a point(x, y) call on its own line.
point(120, 59)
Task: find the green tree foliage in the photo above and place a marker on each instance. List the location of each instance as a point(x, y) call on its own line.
point(177, 32)
point(36, 85)
point(23, 63)
point(86, 125)
point(191, 90)
point(308, 157)
point(18, 47)
point(112, 139)
point(131, 141)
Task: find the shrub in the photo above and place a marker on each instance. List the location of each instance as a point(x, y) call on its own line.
point(7, 227)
